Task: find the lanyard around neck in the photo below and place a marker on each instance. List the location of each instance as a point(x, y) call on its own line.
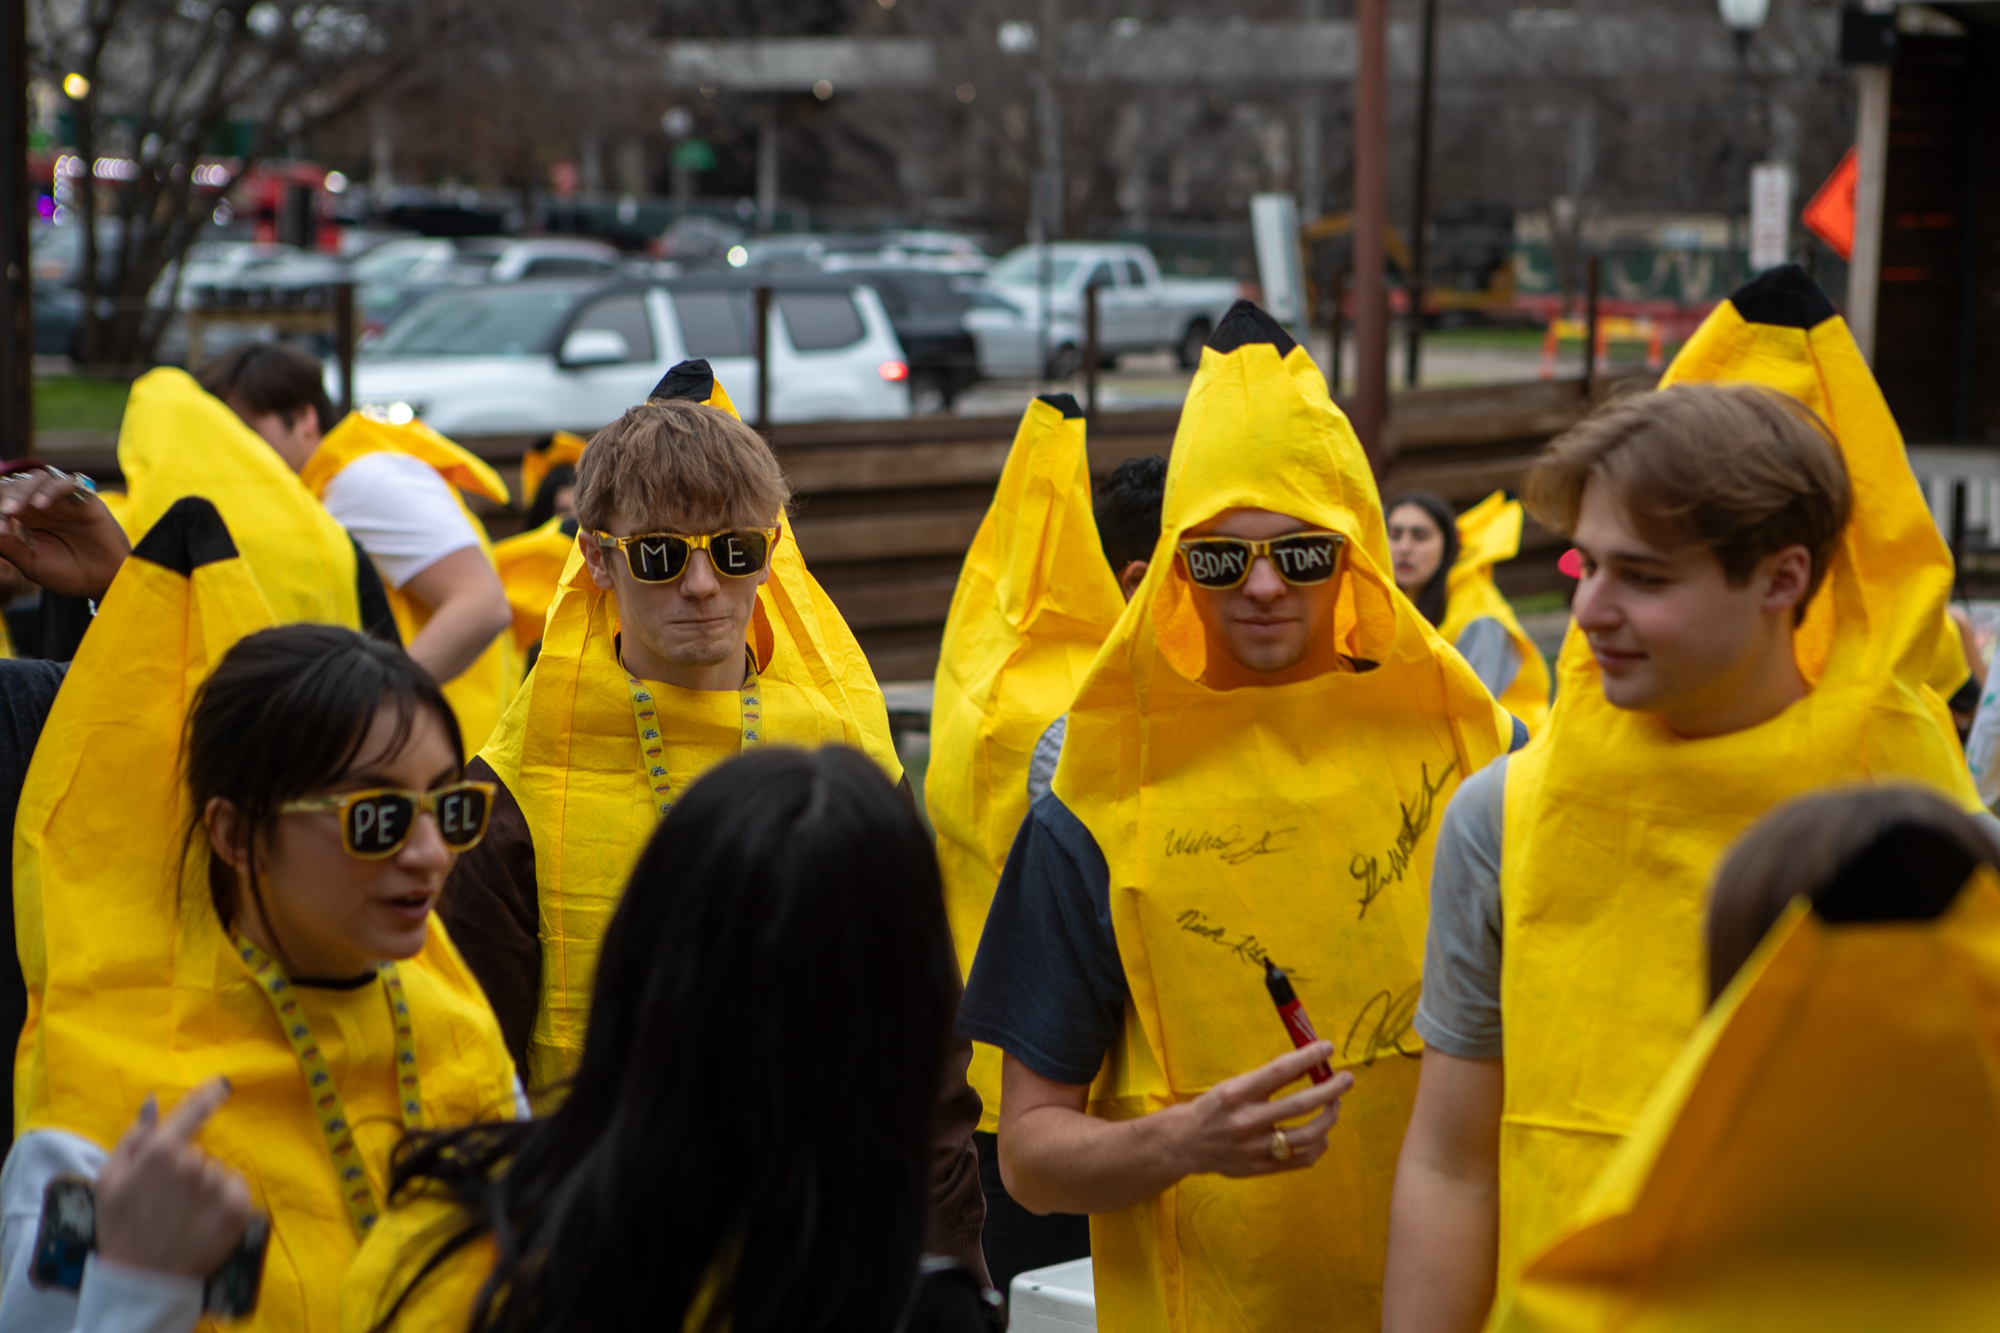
point(652, 750)
point(355, 1190)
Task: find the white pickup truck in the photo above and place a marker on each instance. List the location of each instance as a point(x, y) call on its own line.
point(1137, 309)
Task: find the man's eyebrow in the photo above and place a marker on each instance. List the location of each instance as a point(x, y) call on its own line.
point(1630, 557)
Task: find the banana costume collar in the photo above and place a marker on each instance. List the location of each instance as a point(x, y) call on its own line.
point(133, 986)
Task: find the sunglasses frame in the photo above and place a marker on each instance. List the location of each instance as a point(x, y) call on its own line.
point(425, 801)
point(695, 542)
point(1263, 549)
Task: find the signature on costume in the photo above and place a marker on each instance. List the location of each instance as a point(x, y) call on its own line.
point(1383, 1027)
point(1196, 922)
point(1370, 871)
point(1232, 845)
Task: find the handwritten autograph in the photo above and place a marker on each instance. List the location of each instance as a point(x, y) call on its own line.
point(1370, 871)
point(1196, 922)
point(1393, 1017)
point(1232, 846)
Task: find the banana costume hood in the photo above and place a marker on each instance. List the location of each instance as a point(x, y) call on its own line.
point(1613, 824)
point(531, 565)
point(544, 456)
point(1489, 533)
point(1292, 821)
point(568, 752)
point(177, 440)
point(1825, 1153)
point(1035, 601)
point(133, 986)
point(480, 693)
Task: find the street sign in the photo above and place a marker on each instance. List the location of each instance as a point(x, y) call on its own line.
point(1274, 226)
point(1770, 215)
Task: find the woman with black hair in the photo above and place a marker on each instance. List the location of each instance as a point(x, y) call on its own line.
point(746, 1143)
point(225, 902)
point(1444, 563)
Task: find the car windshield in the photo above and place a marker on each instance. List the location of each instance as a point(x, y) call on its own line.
point(1023, 268)
point(503, 321)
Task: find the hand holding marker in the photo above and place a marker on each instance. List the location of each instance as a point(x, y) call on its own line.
point(1294, 1015)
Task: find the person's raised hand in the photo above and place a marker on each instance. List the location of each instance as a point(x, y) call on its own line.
point(55, 530)
point(164, 1204)
point(1230, 1129)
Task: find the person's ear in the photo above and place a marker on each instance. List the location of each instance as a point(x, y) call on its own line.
point(227, 833)
point(305, 426)
point(1788, 575)
point(593, 556)
point(1130, 577)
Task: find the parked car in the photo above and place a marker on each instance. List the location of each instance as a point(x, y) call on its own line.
point(394, 275)
point(928, 311)
point(531, 357)
point(215, 267)
point(1137, 309)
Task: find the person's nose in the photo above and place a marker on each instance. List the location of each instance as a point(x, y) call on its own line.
point(1264, 583)
point(1594, 606)
point(700, 581)
point(425, 853)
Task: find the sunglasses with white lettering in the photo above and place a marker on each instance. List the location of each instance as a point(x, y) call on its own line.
point(1301, 558)
point(378, 822)
point(662, 557)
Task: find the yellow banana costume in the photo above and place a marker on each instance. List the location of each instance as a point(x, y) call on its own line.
point(480, 693)
point(1034, 603)
point(544, 457)
point(1489, 533)
point(1823, 1155)
point(1613, 825)
point(1293, 821)
point(178, 440)
point(531, 566)
point(133, 986)
point(566, 750)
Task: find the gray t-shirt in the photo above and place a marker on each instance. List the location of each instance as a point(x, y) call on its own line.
point(1489, 650)
point(1042, 763)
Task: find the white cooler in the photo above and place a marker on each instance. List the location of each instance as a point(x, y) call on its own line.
point(1058, 1299)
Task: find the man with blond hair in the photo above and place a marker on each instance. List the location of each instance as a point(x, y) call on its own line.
point(686, 630)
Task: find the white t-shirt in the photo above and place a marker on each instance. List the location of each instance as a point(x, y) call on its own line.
point(401, 511)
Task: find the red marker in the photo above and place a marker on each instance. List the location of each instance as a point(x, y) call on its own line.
point(1294, 1015)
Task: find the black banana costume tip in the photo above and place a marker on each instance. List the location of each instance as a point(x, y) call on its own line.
point(1246, 323)
point(1785, 296)
point(693, 380)
point(1064, 403)
point(1910, 873)
point(190, 534)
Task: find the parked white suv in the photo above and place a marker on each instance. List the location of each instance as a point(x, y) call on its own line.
point(1137, 309)
point(526, 358)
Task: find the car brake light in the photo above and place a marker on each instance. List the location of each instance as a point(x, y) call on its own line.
point(893, 371)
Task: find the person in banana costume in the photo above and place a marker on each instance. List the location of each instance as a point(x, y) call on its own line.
point(1444, 563)
point(227, 852)
point(686, 629)
point(398, 489)
point(1854, 961)
point(1251, 773)
point(1761, 614)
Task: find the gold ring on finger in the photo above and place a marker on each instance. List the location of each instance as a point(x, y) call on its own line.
point(1281, 1147)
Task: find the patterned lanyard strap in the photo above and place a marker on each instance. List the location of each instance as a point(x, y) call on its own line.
point(652, 750)
point(362, 1205)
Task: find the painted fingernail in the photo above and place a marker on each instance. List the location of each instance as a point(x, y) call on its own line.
point(227, 1086)
point(149, 1110)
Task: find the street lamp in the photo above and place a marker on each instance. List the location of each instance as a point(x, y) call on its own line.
point(1744, 17)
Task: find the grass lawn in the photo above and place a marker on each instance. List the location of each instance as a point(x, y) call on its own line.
point(78, 402)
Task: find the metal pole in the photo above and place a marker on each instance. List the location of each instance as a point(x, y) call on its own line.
point(1338, 322)
point(1420, 221)
point(1958, 537)
point(1589, 326)
point(17, 319)
point(767, 168)
point(1371, 218)
point(1864, 263)
point(1739, 183)
point(343, 341)
point(1090, 352)
point(763, 358)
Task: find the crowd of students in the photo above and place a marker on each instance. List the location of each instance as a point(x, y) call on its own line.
point(420, 932)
